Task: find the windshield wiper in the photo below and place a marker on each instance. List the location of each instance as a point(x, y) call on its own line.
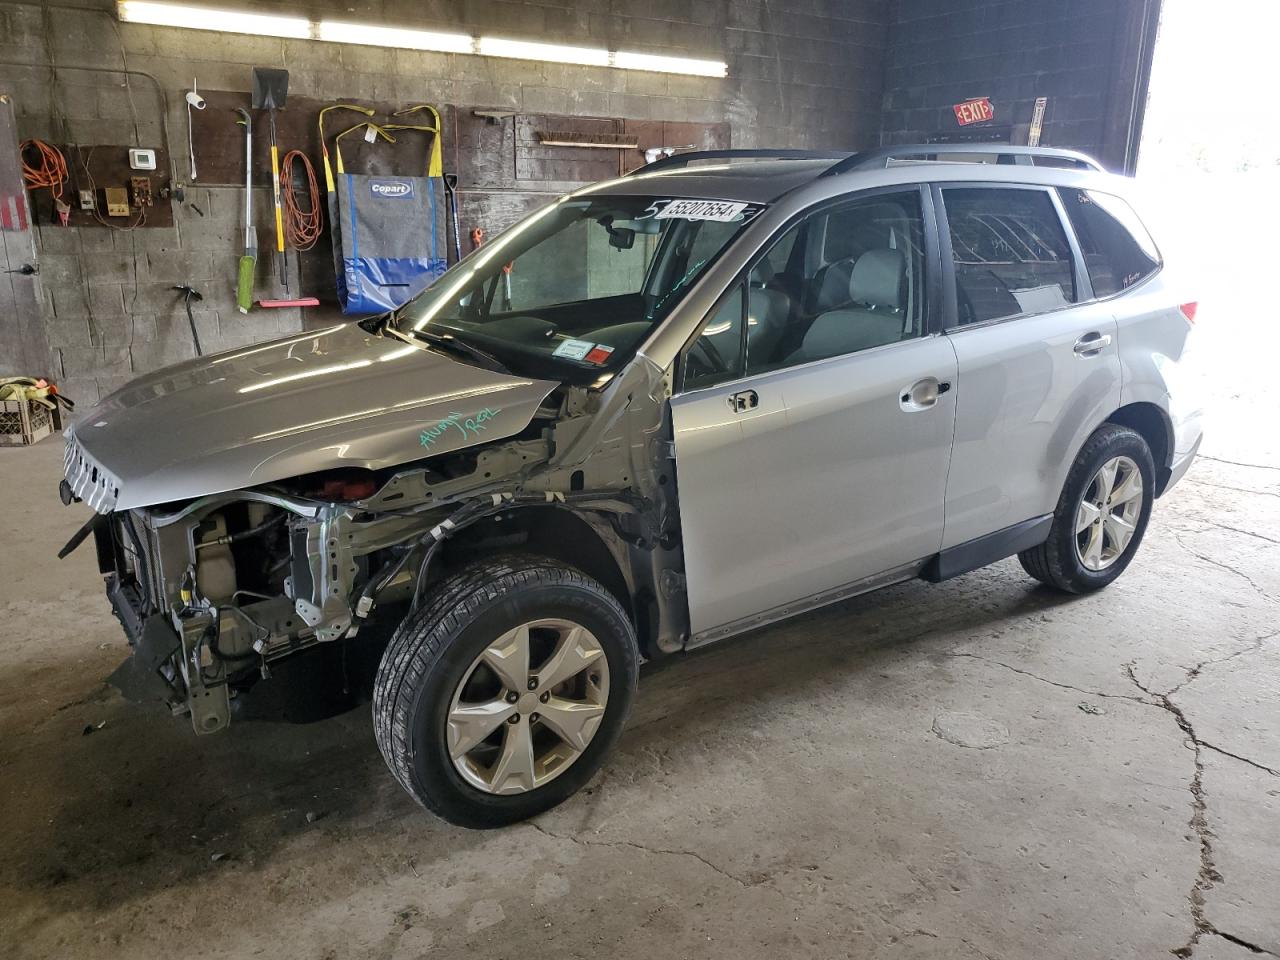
point(449, 342)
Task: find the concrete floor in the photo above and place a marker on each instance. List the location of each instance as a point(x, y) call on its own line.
point(980, 769)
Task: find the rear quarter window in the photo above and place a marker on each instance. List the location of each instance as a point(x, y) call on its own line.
point(1118, 251)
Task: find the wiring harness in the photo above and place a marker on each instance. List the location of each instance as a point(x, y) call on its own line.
point(302, 227)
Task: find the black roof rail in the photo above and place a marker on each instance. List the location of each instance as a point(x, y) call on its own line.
point(1005, 153)
point(684, 159)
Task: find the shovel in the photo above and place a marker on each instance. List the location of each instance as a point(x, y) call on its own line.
point(270, 88)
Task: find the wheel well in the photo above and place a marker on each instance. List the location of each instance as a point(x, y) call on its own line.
point(553, 532)
point(1154, 426)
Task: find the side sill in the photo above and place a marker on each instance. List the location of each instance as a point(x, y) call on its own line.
point(788, 610)
point(981, 551)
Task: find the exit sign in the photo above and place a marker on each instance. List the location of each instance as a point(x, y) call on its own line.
point(974, 111)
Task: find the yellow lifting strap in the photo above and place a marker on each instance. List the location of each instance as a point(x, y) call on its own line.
point(324, 147)
point(435, 163)
point(378, 129)
point(26, 388)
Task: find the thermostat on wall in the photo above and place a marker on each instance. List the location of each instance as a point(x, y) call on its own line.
point(140, 159)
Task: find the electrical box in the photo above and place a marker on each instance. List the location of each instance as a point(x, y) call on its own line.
point(140, 159)
point(116, 200)
point(140, 191)
point(86, 200)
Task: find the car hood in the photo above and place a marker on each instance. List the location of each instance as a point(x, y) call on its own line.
point(339, 397)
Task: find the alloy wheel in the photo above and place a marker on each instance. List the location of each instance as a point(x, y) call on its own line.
point(528, 706)
point(1107, 516)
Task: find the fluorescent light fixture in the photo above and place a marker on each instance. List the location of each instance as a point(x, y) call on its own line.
point(685, 65)
point(208, 18)
point(339, 32)
point(548, 52)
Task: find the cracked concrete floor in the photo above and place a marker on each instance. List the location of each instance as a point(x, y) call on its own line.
point(980, 769)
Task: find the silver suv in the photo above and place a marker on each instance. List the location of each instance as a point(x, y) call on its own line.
point(658, 412)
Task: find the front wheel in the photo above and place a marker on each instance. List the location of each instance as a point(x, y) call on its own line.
point(1101, 515)
point(503, 694)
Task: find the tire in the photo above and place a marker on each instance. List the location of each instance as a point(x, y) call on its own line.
point(436, 651)
point(1058, 561)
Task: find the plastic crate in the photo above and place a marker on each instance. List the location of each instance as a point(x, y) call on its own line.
point(23, 423)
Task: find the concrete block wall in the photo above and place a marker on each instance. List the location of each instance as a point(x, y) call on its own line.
point(802, 73)
point(1090, 58)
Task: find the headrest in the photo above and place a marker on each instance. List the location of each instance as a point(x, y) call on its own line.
point(876, 279)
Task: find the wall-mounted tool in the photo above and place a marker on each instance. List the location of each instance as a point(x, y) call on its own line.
point(270, 88)
point(194, 102)
point(189, 293)
point(244, 276)
point(451, 191)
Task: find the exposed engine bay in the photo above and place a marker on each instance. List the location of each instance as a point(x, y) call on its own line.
point(212, 591)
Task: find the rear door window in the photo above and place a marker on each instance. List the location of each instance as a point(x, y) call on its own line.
point(1010, 251)
point(1118, 252)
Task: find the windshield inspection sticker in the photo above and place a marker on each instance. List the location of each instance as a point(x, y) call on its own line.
point(599, 354)
point(720, 210)
point(573, 349)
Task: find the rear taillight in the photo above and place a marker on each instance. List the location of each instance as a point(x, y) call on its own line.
point(1189, 311)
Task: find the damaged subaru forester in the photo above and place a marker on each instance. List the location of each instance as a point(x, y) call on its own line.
point(663, 410)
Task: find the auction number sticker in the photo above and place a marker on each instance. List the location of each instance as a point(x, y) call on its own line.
point(723, 211)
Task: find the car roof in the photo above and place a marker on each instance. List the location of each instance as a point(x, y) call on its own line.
point(763, 180)
point(753, 181)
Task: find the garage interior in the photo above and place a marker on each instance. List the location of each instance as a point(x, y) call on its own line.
point(976, 769)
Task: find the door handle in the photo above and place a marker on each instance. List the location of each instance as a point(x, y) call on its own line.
point(744, 400)
point(1091, 344)
point(923, 394)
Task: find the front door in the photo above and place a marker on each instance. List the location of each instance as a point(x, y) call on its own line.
point(813, 430)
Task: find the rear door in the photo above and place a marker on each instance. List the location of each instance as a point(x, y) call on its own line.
point(1039, 365)
point(812, 432)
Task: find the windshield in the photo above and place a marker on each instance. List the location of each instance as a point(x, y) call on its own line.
point(571, 291)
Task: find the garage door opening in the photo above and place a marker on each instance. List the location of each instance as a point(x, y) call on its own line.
point(1211, 157)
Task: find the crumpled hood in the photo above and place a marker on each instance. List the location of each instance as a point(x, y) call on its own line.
point(332, 398)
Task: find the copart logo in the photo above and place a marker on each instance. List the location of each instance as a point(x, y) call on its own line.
point(391, 189)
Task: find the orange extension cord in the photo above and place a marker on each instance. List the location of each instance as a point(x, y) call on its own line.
point(51, 169)
point(302, 227)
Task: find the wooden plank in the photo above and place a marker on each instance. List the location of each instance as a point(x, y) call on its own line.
point(98, 167)
point(537, 161)
point(219, 138)
point(670, 133)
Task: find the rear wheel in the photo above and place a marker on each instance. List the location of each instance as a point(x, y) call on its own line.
point(503, 694)
point(1101, 516)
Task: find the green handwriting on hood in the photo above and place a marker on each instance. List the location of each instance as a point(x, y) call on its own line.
point(471, 426)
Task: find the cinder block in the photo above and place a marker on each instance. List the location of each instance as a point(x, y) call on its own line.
point(106, 300)
point(81, 361)
point(58, 270)
point(175, 267)
point(69, 300)
point(108, 267)
point(69, 331)
point(84, 392)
